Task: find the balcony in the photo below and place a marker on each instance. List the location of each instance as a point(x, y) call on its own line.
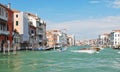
point(40, 40)
point(4, 32)
point(39, 33)
point(3, 17)
point(32, 34)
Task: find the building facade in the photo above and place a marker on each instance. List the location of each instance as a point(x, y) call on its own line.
point(40, 25)
point(32, 35)
point(4, 33)
point(6, 24)
point(104, 40)
point(21, 24)
point(71, 40)
point(56, 38)
point(115, 38)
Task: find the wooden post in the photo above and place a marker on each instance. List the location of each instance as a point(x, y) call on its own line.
point(4, 48)
point(14, 48)
point(8, 46)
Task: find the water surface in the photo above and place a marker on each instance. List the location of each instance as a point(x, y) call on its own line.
point(107, 60)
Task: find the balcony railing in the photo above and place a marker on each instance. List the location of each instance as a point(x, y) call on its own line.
point(39, 33)
point(4, 32)
point(40, 40)
point(3, 17)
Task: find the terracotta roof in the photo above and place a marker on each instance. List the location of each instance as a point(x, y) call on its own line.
point(4, 6)
point(31, 14)
point(105, 34)
point(116, 30)
point(16, 11)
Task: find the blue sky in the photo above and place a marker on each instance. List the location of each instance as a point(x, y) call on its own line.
point(84, 18)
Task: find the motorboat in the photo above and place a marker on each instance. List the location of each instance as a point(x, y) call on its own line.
point(88, 50)
point(62, 49)
point(39, 49)
point(85, 51)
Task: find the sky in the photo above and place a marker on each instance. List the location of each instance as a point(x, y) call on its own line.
point(86, 19)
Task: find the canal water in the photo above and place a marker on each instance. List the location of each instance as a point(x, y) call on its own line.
point(107, 60)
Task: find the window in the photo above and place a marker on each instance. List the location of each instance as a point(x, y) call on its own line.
point(40, 24)
point(32, 31)
point(16, 23)
point(6, 14)
point(16, 15)
point(0, 10)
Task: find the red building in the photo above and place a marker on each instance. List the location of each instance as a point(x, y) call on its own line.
point(10, 24)
point(6, 23)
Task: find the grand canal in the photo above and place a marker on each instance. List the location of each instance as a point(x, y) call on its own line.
point(107, 60)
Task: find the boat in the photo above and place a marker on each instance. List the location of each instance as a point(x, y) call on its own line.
point(88, 50)
point(62, 49)
point(39, 49)
point(85, 51)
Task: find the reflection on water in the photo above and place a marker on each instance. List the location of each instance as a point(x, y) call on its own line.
point(107, 60)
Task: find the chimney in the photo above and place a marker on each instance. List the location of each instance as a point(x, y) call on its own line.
point(36, 14)
point(9, 5)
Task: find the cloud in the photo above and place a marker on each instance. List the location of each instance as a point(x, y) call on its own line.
point(116, 4)
point(88, 29)
point(94, 2)
point(113, 3)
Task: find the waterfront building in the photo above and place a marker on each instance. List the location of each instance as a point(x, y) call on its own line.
point(62, 39)
point(85, 42)
point(16, 39)
point(115, 38)
point(39, 30)
point(41, 33)
point(31, 28)
point(92, 42)
point(56, 38)
point(78, 43)
point(71, 40)
point(21, 25)
point(6, 23)
point(51, 39)
point(32, 35)
point(104, 40)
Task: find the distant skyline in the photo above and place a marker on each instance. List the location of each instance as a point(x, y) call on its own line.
point(86, 19)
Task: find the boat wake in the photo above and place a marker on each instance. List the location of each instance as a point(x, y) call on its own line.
point(118, 52)
point(62, 49)
point(85, 51)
